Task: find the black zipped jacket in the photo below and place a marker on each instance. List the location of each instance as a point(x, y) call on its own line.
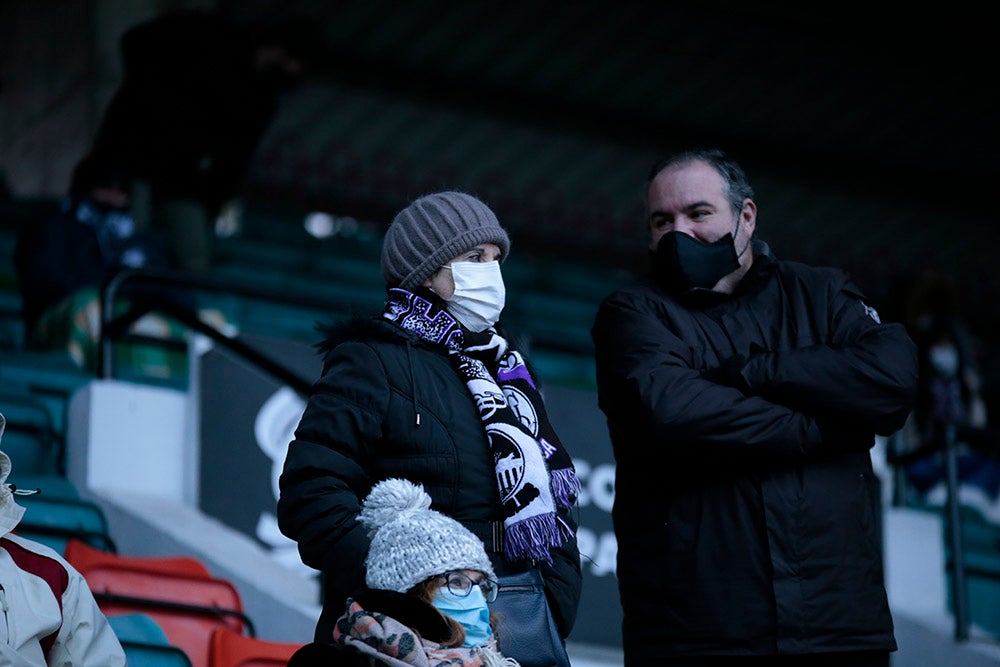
point(389, 404)
point(747, 513)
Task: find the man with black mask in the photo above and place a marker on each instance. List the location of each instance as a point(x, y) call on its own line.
point(743, 394)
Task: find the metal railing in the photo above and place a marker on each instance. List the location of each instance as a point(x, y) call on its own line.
point(982, 439)
point(152, 287)
point(115, 325)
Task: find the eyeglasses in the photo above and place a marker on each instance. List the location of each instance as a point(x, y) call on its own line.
point(460, 585)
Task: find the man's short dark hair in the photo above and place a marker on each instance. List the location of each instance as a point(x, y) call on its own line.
point(737, 186)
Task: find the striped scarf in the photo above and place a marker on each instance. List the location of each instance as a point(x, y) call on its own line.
point(534, 473)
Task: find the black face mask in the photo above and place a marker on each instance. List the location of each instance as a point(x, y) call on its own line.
point(682, 263)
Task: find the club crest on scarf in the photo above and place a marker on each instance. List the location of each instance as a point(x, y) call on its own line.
point(534, 473)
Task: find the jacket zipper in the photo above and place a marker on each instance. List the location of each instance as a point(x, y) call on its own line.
point(5, 626)
point(518, 587)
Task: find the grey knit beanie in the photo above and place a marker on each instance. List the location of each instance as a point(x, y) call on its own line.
point(432, 230)
point(411, 542)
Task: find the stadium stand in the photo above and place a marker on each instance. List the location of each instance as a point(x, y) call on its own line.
point(55, 520)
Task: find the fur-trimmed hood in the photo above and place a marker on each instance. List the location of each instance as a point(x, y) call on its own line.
point(373, 328)
point(359, 329)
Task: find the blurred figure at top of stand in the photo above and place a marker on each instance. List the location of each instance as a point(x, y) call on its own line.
point(63, 261)
point(198, 92)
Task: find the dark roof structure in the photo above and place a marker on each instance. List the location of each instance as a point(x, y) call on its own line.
point(869, 136)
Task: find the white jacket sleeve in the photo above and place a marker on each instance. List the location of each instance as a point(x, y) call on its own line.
point(85, 637)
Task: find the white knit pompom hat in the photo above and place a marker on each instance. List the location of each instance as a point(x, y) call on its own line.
point(411, 542)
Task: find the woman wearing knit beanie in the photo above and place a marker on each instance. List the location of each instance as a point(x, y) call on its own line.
point(429, 582)
point(429, 390)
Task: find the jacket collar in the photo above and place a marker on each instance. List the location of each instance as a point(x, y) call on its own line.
point(10, 512)
point(763, 267)
point(408, 610)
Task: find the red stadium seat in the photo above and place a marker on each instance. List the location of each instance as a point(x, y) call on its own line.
point(233, 649)
point(83, 557)
point(177, 592)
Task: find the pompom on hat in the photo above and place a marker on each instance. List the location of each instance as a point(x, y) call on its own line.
point(432, 230)
point(411, 542)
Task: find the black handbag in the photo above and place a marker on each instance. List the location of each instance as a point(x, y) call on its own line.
point(525, 627)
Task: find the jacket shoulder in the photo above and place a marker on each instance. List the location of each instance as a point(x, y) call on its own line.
point(633, 294)
point(362, 330)
point(817, 271)
point(39, 560)
point(829, 277)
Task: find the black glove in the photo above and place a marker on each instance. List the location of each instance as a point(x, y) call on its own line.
point(730, 374)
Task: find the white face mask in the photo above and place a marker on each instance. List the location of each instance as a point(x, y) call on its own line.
point(479, 294)
point(944, 359)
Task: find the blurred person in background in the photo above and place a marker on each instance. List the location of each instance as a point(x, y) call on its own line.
point(63, 261)
point(949, 396)
point(198, 92)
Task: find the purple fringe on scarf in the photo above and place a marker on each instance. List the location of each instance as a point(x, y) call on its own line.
point(565, 487)
point(533, 537)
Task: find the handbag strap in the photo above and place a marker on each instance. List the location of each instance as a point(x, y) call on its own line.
point(490, 532)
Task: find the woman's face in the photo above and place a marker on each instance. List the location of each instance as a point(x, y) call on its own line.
point(428, 589)
point(441, 281)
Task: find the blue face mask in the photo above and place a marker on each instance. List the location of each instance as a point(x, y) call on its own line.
point(471, 613)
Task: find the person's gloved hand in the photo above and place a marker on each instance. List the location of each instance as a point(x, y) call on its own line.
point(729, 373)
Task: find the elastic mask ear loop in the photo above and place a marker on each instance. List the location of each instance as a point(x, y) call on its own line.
point(736, 229)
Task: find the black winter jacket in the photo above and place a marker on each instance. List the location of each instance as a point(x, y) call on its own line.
point(390, 404)
point(746, 510)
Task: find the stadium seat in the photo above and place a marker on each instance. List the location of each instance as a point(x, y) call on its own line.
point(176, 592)
point(49, 376)
point(85, 558)
point(30, 437)
point(145, 643)
point(54, 520)
point(232, 649)
point(139, 628)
